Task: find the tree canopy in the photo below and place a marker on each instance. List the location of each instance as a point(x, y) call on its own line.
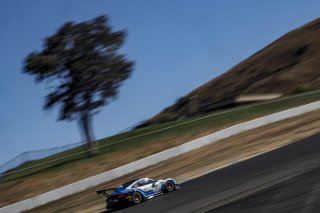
point(83, 68)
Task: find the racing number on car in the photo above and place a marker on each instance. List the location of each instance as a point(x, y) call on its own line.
point(156, 188)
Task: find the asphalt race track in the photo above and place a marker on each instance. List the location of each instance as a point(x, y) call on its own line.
point(299, 194)
point(284, 180)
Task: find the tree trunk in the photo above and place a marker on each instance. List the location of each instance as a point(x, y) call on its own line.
point(86, 129)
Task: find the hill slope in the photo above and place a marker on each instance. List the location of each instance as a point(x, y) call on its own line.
point(289, 64)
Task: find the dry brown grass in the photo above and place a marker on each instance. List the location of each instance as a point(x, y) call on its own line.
point(26, 187)
point(30, 186)
point(289, 64)
point(196, 162)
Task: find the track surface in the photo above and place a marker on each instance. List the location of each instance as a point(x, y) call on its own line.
point(299, 194)
point(271, 182)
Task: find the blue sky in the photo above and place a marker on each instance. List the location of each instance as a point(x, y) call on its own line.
point(177, 45)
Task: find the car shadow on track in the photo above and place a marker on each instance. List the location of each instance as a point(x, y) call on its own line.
point(106, 211)
point(113, 210)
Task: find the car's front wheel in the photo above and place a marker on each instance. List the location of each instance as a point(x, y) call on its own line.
point(137, 197)
point(169, 186)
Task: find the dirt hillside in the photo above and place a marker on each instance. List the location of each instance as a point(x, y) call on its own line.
point(290, 64)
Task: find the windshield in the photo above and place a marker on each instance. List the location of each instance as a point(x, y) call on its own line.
point(125, 185)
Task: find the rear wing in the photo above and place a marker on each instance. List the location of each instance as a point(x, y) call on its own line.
point(105, 192)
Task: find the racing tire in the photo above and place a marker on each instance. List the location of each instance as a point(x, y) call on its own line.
point(137, 197)
point(169, 186)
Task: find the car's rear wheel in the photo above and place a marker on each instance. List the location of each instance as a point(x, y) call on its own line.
point(137, 197)
point(169, 186)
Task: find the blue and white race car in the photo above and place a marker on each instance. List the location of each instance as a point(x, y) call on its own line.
point(136, 191)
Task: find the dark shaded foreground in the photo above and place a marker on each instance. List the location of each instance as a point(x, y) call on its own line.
point(299, 194)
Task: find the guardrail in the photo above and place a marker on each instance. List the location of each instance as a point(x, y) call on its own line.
point(156, 158)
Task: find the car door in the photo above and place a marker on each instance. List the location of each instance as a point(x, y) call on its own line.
point(156, 187)
point(147, 187)
point(152, 187)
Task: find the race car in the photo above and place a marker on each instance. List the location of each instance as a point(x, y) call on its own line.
point(137, 191)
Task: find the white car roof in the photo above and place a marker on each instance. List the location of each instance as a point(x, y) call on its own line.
point(145, 179)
